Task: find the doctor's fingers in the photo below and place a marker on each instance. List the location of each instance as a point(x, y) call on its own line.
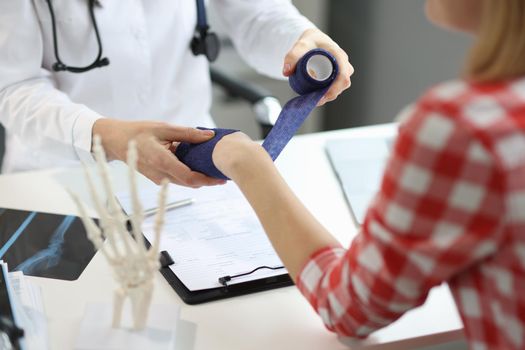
point(341, 83)
point(181, 133)
point(311, 39)
point(314, 38)
point(293, 56)
point(156, 162)
point(182, 175)
point(155, 176)
point(185, 177)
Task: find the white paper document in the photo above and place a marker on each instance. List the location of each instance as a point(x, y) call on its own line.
point(218, 235)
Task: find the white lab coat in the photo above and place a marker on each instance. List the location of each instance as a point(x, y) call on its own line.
point(49, 116)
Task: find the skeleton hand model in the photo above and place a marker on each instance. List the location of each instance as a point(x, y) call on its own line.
point(134, 266)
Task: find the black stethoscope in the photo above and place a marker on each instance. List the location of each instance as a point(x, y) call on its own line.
point(204, 41)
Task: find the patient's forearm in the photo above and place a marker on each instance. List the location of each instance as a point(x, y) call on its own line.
point(293, 231)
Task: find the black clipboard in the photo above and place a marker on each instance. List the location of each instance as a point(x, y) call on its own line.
point(228, 291)
point(223, 292)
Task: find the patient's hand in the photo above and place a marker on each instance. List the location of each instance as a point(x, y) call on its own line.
point(236, 153)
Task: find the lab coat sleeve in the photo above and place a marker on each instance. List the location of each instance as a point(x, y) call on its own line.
point(31, 106)
point(262, 31)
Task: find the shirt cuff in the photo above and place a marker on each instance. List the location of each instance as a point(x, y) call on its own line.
point(309, 277)
point(81, 135)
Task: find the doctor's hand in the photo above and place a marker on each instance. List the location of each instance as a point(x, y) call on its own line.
point(312, 39)
point(156, 142)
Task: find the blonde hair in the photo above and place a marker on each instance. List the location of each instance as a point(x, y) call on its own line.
point(499, 52)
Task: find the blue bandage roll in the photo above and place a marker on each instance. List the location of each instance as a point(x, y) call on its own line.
point(315, 71)
point(314, 74)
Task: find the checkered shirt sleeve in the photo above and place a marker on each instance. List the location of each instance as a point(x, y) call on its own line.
point(436, 215)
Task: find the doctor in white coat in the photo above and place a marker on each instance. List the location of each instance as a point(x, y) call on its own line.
point(153, 90)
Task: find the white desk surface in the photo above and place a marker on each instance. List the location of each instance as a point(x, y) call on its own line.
point(277, 319)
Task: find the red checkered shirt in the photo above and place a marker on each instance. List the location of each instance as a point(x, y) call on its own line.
point(451, 208)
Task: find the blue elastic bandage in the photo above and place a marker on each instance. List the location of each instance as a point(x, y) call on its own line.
point(198, 157)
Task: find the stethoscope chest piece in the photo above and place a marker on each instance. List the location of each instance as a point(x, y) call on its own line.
point(204, 41)
point(206, 44)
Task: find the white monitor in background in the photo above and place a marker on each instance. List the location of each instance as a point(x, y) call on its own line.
point(359, 163)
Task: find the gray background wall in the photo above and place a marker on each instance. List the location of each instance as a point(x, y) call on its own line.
point(397, 54)
point(395, 51)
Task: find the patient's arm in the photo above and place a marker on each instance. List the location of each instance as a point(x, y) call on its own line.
point(412, 238)
point(293, 231)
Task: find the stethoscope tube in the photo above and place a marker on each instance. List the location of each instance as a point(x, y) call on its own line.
point(99, 62)
point(204, 41)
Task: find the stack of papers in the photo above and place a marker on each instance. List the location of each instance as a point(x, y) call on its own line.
point(27, 309)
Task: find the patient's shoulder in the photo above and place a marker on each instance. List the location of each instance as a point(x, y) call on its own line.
point(476, 105)
point(462, 95)
point(491, 113)
point(448, 91)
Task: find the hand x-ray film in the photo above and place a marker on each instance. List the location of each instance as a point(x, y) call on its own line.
point(44, 245)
